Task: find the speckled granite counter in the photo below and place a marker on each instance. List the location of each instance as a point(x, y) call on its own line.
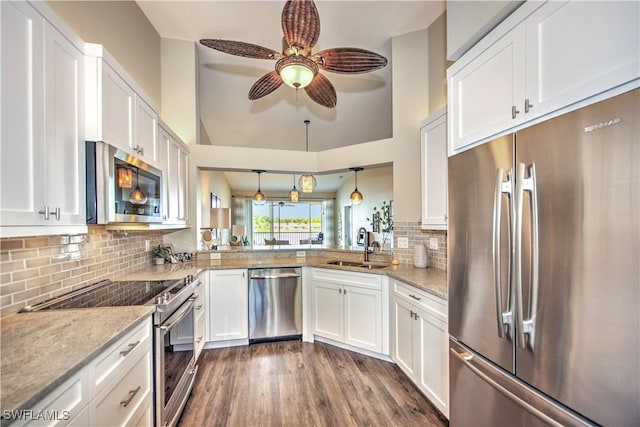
point(41, 350)
point(429, 280)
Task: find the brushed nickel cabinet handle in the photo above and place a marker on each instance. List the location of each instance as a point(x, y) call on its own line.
point(415, 297)
point(132, 394)
point(45, 212)
point(527, 105)
point(514, 111)
point(131, 347)
point(58, 214)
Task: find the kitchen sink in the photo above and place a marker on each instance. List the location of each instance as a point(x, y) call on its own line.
point(367, 265)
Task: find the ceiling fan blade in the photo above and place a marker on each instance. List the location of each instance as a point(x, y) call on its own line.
point(301, 23)
point(322, 91)
point(349, 60)
point(265, 85)
point(247, 50)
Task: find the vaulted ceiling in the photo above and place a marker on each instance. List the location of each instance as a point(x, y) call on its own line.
point(364, 109)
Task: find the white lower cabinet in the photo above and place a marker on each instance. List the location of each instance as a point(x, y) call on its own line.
point(114, 389)
point(347, 308)
point(228, 305)
point(420, 341)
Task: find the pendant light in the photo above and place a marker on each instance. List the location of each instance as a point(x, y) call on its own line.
point(307, 182)
point(294, 195)
point(137, 196)
point(356, 196)
point(259, 198)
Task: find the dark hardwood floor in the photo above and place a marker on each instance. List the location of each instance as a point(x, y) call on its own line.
point(291, 383)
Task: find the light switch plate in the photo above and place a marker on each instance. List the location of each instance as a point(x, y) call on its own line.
point(214, 255)
point(403, 242)
point(301, 254)
point(147, 245)
point(433, 243)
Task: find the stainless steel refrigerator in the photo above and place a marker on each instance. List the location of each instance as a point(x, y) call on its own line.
point(544, 278)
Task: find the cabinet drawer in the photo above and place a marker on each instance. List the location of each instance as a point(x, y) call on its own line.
point(431, 304)
point(126, 350)
point(362, 280)
point(119, 402)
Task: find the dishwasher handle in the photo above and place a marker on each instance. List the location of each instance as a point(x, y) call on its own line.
point(274, 276)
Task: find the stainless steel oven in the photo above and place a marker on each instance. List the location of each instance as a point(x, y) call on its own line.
point(175, 363)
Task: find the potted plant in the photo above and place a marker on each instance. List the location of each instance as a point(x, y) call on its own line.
point(160, 254)
point(382, 222)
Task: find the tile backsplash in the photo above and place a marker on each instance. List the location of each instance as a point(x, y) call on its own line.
point(436, 258)
point(34, 269)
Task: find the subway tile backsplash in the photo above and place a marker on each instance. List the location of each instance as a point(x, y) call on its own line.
point(34, 269)
point(436, 258)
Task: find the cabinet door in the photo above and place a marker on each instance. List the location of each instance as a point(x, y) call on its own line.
point(434, 174)
point(164, 145)
point(433, 372)
point(405, 349)
point(22, 143)
point(328, 310)
point(146, 127)
point(363, 318)
point(228, 305)
point(183, 185)
point(117, 109)
point(173, 181)
point(64, 112)
point(577, 49)
point(486, 94)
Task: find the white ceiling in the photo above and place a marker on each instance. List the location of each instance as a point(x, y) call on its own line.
point(363, 112)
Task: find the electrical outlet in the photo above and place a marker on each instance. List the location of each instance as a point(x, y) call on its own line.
point(214, 255)
point(301, 254)
point(433, 243)
point(403, 242)
point(147, 245)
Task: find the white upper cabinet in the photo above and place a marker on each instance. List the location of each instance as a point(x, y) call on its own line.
point(434, 171)
point(173, 158)
point(42, 170)
point(540, 60)
point(118, 112)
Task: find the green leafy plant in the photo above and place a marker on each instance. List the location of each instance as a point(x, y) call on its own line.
point(382, 220)
point(161, 252)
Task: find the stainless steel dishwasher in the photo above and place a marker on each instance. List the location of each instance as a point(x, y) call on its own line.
point(275, 304)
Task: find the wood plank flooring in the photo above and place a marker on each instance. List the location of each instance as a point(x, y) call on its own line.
point(291, 383)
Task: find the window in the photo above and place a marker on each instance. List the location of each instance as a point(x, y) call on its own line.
point(283, 223)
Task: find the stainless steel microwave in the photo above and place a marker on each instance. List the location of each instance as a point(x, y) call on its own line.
point(120, 187)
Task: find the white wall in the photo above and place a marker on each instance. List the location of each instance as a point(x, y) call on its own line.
point(180, 104)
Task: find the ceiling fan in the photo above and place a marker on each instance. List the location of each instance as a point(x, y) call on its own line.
point(297, 66)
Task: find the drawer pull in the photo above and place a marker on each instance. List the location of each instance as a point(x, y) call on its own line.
point(415, 297)
point(198, 307)
point(198, 340)
point(132, 394)
point(131, 347)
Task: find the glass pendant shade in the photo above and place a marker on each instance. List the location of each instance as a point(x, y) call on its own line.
point(294, 194)
point(259, 198)
point(125, 178)
point(307, 183)
point(356, 196)
point(137, 196)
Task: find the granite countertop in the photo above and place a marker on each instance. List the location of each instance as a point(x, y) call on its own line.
point(431, 280)
point(43, 349)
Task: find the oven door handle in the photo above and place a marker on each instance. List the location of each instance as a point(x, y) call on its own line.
point(180, 314)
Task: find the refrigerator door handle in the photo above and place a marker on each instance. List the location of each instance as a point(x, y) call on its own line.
point(526, 326)
point(502, 318)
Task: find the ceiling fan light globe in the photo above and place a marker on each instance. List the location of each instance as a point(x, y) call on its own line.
point(296, 76)
point(356, 197)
